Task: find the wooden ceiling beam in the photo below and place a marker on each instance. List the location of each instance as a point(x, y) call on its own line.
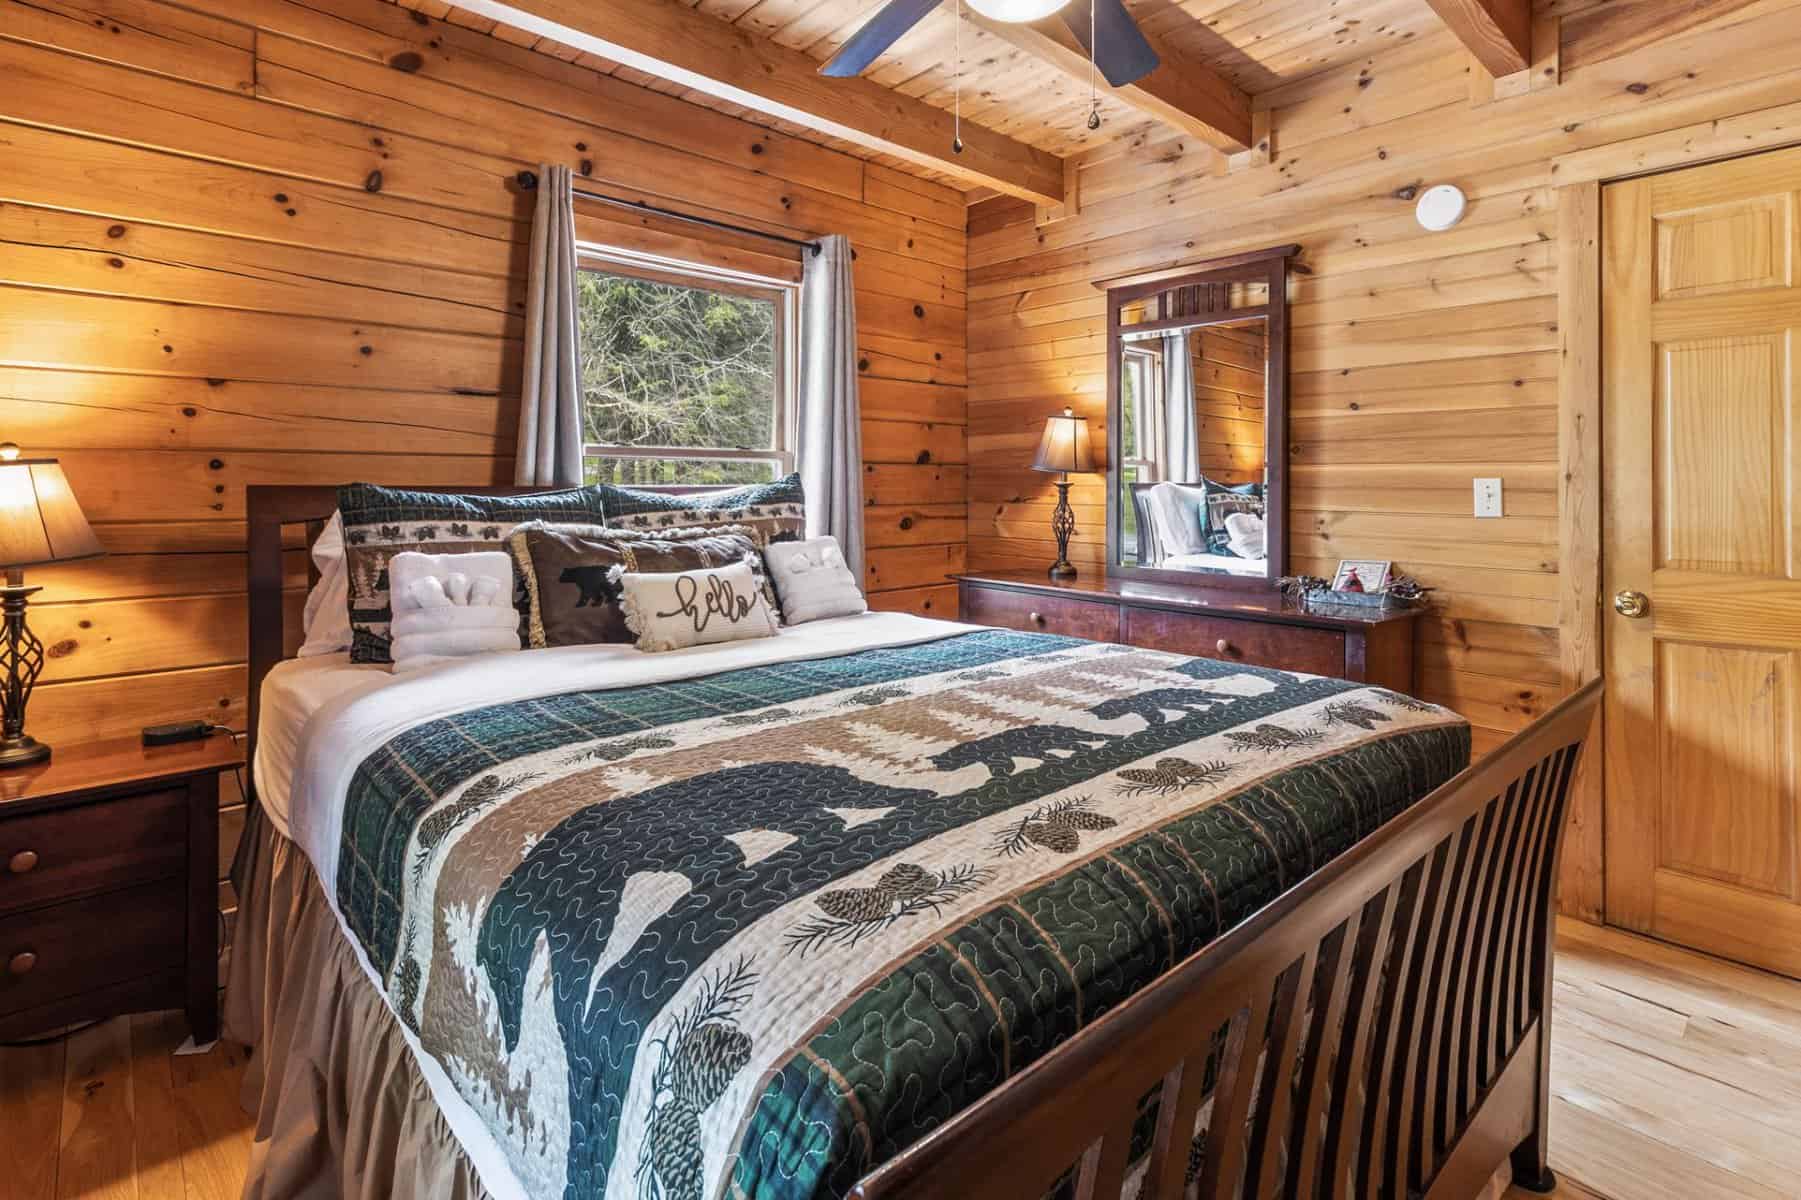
point(1183, 94)
point(689, 48)
point(1497, 32)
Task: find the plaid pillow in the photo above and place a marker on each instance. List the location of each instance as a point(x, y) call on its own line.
point(380, 522)
point(776, 511)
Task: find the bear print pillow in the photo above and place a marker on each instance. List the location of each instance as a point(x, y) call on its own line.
point(571, 586)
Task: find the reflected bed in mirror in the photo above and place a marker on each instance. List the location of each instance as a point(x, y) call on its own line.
point(1196, 421)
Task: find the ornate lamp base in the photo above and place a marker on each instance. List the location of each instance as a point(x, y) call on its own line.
point(21, 751)
point(21, 659)
point(1063, 523)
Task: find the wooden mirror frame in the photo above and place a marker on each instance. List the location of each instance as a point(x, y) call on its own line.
point(1269, 266)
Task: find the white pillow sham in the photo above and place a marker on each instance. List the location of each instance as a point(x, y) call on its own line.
point(326, 618)
point(812, 580)
point(1176, 511)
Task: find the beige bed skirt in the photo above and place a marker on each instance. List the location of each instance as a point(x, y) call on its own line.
point(341, 1107)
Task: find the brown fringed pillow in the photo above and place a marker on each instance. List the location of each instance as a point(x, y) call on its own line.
point(570, 573)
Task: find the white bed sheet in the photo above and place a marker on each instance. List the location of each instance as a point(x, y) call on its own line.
point(320, 717)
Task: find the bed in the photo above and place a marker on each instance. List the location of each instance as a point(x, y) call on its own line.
point(881, 906)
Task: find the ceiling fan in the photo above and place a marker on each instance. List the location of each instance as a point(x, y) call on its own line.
point(1118, 48)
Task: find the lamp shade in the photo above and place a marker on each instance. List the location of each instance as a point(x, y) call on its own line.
point(1064, 446)
point(40, 522)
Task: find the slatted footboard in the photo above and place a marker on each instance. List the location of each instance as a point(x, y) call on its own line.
point(1382, 1030)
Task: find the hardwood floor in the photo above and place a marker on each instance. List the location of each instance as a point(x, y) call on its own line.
point(1674, 1077)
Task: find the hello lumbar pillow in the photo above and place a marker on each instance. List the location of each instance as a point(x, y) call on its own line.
point(672, 610)
point(812, 580)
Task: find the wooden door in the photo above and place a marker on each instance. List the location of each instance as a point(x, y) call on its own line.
point(1702, 515)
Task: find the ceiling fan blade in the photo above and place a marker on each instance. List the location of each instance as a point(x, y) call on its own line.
point(1125, 56)
point(878, 33)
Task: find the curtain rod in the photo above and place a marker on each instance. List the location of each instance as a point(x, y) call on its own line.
point(529, 181)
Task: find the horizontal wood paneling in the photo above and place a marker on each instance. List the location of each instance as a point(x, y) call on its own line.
point(1420, 360)
point(274, 241)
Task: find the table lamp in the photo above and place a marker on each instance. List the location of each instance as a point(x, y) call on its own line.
point(1064, 448)
point(39, 523)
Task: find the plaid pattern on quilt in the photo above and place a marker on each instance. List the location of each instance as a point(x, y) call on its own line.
point(750, 934)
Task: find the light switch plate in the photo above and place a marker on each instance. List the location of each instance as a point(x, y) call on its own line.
point(1488, 497)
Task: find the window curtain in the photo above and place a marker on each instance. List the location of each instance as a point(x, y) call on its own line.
point(549, 450)
point(1180, 451)
point(829, 448)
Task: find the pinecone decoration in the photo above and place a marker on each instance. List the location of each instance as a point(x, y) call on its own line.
point(705, 1062)
point(907, 881)
point(1079, 818)
point(675, 1151)
point(1059, 838)
point(1349, 712)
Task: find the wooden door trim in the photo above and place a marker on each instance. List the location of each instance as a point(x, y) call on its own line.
point(1583, 879)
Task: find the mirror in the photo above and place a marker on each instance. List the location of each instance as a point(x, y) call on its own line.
point(1196, 425)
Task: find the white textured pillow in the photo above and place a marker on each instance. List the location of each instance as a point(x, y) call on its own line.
point(1245, 536)
point(448, 606)
point(670, 610)
point(812, 580)
point(326, 618)
point(1176, 511)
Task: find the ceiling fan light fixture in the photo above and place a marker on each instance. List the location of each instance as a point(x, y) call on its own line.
point(1016, 11)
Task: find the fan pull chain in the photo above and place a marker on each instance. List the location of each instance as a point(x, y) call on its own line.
point(1094, 93)
point(957, 112)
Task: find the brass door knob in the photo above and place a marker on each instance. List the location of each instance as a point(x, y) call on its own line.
point(21, 963)
point(24, 862)
point(1631, 604)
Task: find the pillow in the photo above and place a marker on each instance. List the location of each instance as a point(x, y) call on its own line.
point(380, 522)
point(571, 598)
point(777, 511)
point(1244, 535)
point(326, 618)
point(1222, 500)
point(812, 580)
point(672, 610)
point(1176, 517)
point(448, 606)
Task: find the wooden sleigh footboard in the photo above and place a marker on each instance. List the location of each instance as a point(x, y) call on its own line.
point(1382, 1030)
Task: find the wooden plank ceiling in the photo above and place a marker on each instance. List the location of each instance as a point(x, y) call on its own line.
point(1251, 45)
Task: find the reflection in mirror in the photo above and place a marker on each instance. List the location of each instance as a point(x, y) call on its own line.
point(1193, 455)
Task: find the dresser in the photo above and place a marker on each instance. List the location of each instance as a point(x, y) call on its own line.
point(1262, 629)
point(109, 884)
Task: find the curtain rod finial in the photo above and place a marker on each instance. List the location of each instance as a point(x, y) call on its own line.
point(526, 179)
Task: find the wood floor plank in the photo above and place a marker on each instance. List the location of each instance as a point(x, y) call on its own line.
point(31, 1089)
point(213, 1129)
point(154, 1037)
point(96, 1160)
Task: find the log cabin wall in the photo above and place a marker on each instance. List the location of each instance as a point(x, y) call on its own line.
point(1421, 360)
point(255, 241)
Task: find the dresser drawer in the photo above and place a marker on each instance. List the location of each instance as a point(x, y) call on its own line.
point(65, 949)
point(1285, 647)
point(1037, 613)
point(49, 856)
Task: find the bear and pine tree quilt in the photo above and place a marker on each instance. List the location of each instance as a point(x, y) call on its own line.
point(752, 933)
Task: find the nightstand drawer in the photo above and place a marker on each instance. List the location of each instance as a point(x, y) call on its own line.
point(1039, 613)
point(65, 949)
point(1285, 647)
point(49, 856)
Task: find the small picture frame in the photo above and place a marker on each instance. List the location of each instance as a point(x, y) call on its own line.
point(1372, 573)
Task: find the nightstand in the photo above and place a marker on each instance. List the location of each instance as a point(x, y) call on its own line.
point(109, 884)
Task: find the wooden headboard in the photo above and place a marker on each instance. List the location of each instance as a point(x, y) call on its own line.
point(271, 508)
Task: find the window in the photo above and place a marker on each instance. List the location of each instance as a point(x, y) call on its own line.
point(686, 373)
point(1140, 382)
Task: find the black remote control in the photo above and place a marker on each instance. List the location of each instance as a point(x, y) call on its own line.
point(176, 731)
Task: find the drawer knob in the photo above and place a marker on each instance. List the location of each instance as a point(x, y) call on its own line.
point(23, 863)
point(1224, 648)
point(21, 963)
point(1036, 618)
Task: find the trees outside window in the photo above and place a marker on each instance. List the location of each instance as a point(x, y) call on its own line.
point(685, 378)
